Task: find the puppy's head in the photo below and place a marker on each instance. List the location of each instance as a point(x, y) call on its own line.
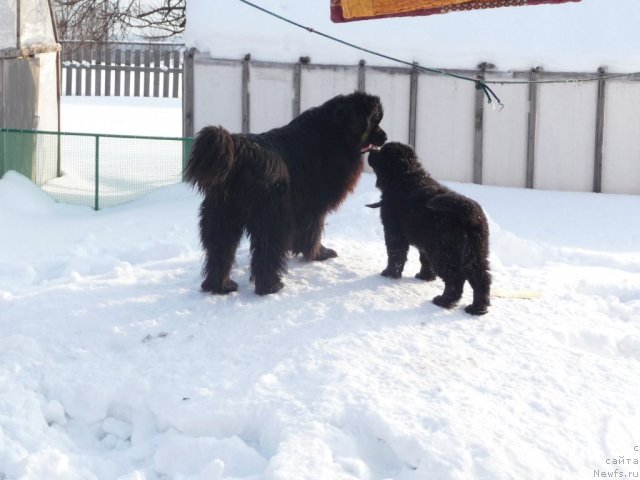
point(392, 161)
point(359, 115)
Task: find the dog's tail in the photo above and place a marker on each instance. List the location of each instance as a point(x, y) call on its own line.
point(469, 211)
point(212, 158)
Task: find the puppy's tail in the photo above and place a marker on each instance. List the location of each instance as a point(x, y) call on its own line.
point(467, 210)
point(212, 158)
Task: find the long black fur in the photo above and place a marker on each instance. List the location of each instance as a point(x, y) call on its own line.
point(278, 186)
point(449, 230)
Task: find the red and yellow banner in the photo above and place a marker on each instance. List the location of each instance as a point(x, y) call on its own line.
point(351, 10)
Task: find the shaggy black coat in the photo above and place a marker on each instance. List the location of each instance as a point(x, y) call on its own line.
point(278, 186)
point(449, 230)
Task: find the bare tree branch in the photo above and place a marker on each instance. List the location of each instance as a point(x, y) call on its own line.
point(102, 20)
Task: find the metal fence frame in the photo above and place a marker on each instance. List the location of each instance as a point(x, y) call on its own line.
point(27, 146)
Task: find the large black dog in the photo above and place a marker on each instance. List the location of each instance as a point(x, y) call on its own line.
point(449, 229)
point(278, 186)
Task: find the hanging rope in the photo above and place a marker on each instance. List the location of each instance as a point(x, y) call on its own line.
point(481, 84)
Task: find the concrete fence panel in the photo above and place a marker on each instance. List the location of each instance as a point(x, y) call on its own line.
point(565, 143)
point(218, 95)
point(553, 133)
point(270, 90)
point(445, 127)
point(504, 151)
point(621, 156)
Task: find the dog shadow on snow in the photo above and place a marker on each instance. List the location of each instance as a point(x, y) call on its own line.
point(332, 292)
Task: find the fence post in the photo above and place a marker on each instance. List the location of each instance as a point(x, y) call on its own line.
point(361, 76)
point(98, 67)
point(297, 85)
point(167, 74)
point(136, 73)
point(156, 73)
point(175, 78)
point(108, 64)
point(89, 71)
point(478, 137)
point(59, 154)
point(69, 71)
point(531, 128)
point(118, 70)
point(97, 189)
point(597, 167)
point(187, 94)
point(186, 152)
point(246, 121)
point(413, 105)
point(147, 73)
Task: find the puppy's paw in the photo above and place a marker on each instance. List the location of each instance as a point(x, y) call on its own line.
point(221, 288)
point(477, 309)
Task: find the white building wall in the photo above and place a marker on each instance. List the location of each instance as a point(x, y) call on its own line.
point(46, 151)
point(36, 26)
point(8, 24)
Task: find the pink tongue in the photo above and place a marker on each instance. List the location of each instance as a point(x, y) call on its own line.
point(365, 149)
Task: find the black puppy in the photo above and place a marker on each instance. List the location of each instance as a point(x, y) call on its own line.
point(278, 186)
point(449, 229)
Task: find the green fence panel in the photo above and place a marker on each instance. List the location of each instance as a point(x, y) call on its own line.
point(93, 169)
point(17, 151)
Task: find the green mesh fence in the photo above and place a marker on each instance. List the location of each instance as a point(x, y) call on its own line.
point(92, 169)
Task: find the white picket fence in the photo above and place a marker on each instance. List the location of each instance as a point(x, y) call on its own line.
point(122, 69)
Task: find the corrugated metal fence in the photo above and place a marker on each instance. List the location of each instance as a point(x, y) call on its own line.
point(122, 69)
point(555, 136)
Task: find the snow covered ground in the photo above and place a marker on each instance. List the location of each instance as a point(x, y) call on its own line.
point(113, 365)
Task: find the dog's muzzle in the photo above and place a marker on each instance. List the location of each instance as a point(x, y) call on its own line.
point(368, 148)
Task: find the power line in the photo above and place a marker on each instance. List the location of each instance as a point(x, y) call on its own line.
point(480, 84)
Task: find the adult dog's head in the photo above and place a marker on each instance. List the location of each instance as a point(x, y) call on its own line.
point(359, 115)
point(393, 161)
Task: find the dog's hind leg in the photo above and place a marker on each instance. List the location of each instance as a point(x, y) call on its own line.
point(268, 261)
point(480, 281)
point(270, 232)
point(220, 233)
point(453, 285)
point(307, 239)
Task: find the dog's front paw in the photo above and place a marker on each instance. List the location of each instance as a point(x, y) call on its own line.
point(426, 276)
point(266, 288)
point(391, 273)
point(222, 288)
point(325, 253)
point(444, 302)
point(477, 309)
